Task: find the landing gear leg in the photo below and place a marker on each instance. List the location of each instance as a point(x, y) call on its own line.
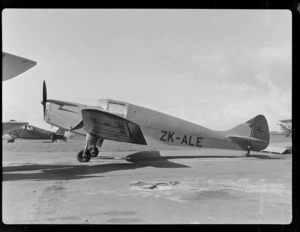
point(248, 151)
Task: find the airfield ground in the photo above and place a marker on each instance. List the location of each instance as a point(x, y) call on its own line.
point(42, 183)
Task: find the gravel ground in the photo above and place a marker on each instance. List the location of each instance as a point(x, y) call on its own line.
point(129, 184)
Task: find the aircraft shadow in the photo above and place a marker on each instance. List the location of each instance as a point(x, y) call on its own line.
point(150, 156)
point(81, 171)
point(144, 156)
point(260, 156)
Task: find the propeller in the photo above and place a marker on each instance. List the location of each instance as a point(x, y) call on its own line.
point(44, 101)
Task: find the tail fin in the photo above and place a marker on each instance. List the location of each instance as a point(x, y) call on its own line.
point(254, 133)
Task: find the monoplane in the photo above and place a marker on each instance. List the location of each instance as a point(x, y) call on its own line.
point(126, 122)
point(32, 132)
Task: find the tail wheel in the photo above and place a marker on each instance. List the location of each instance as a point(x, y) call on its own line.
point(94, 151)
point(84, 156)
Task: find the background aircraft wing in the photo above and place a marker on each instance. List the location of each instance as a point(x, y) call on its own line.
point(11, 126)
point(111, 127)
point(14, 65)
point(278, 150)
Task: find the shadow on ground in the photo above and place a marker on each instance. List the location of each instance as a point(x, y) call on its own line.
point(95, 167)
point(260, 156)
point(84, 170)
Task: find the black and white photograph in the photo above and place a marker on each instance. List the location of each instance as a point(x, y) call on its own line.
point(146, 116)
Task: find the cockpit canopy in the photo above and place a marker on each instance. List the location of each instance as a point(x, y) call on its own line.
point(115, 107)
point(27, 127)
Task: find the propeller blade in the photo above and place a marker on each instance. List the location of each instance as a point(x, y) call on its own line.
point(44, 97)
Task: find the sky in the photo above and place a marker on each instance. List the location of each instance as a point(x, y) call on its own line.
point(216, 68)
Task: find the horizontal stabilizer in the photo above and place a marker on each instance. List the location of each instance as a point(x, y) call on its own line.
point(112, 127)
point(245, 138)
point(244, 142)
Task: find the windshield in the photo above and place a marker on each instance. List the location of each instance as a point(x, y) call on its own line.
point(117, 108)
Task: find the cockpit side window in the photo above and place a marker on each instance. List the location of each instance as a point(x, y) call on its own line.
point(117, 108)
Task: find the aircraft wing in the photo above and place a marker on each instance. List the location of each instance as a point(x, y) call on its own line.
point(11, 126)
point(112, 127)
point(278, 150)
point(14, 65)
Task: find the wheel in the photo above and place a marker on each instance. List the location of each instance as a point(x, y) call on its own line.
point(94, 151)
point(84, 156)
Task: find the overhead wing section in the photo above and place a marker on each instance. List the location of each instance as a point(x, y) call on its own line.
point(14, 65)
point(243, 141)
point(112, 127)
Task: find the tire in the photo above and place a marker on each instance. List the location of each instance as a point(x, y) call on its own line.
point(94, 151)
point(83, 158)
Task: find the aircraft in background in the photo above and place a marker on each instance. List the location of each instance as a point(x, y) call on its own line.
point(13, 66)
point(125, 122)
point(33, 132)
point(286, 127)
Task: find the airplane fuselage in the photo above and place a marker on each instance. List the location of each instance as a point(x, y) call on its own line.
point(175, 131)
point(30, 132)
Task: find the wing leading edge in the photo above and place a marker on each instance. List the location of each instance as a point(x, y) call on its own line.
point(112, 127)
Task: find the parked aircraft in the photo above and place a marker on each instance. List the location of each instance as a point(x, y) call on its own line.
point(33, 132)
point(125, 122)
point(12, 67)
point(286, 127)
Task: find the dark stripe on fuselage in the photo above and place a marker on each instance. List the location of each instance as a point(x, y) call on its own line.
point(60, 108)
